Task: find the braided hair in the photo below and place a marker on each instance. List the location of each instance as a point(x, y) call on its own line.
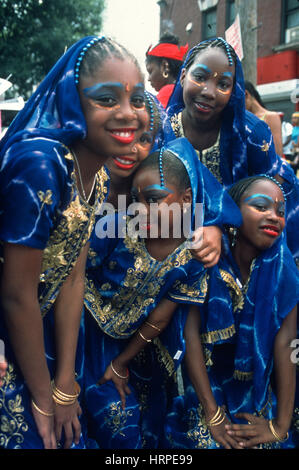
point(237, 190)
point(173, 168)
point(153, 111)
point(215, 42)
point(98, 51)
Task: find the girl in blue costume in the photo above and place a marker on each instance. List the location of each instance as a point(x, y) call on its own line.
point(133, 285)
point(208, 107)
point(122, 169)
point(238, 366)
point(52, 178)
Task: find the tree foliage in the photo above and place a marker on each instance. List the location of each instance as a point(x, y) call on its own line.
point(35, 33)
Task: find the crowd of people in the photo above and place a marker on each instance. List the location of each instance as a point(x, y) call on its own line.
point(149, 257)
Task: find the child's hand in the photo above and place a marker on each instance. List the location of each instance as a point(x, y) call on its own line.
point(250, 435)
point(208, 249)
point(113, 372)
point(221, 435)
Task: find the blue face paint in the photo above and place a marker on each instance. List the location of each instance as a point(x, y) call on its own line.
point(139, 87)
point(259, 195)
point(202, 74)
point(203, 67)
point(263, 202)
point(227, 74)
point(152, 191)
point(106, 95)
point(158, 187)
point(95, 91)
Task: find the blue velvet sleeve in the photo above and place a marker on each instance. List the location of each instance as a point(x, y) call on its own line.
point(192, 289)
point(220, 209)
point(261, 155)
point(31, 191)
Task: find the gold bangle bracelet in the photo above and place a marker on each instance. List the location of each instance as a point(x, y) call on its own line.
point(63, 402)
point(219, 421)
point(153, 326)
point(277, 437)
point(44, 413)
point(143, 337)
point(66, 396)
point(216, 416)
point(118, 375)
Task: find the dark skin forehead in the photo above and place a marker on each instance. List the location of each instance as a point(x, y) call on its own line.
point(266, 187)
point(215, 57)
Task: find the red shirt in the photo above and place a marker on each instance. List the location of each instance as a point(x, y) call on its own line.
point(165, 93)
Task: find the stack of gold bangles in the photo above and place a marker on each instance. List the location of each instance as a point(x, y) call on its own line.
point(218, 417)
point(277, 437)
point(148, 340)
point(62, 398)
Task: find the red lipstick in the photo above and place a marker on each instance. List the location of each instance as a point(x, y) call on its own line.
point(124, 136)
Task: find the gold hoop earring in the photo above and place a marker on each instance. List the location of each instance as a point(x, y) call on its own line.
point(165, 74)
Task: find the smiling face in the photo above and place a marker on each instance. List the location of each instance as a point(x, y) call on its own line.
point(147, 190)
point(112, 101)
point(263, 209)
point(125, 165)
point(207, 85)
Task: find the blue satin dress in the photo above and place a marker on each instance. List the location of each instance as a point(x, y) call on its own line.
point(41, 208)
point(238, 346)
point(124, 284)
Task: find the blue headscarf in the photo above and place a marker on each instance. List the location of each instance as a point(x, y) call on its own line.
point(251, 317)
point(54, 110)
point(218, 207)
point(233, 136)
point(237, 160)
point(247, 147)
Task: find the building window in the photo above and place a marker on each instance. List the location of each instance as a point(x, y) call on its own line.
point(209, 23)
point(291, 21)
point(230, 12)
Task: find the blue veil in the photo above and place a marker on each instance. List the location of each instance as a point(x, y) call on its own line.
point(233, 136)
point(218, 207)
point(54, 110)
point(243, 152)
point(253, 317)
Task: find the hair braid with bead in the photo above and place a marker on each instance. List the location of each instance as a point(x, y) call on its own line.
point(216, 42)
point(96, 52)
point(173, 168)
point(237, 190)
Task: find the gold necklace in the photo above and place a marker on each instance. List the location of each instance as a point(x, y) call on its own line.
point(81, 181)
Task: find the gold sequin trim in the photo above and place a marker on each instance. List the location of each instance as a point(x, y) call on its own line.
point(12, 421)
point(217, 335)
point(67, 239)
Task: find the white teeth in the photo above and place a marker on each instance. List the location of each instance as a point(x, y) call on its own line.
point(124, 162)
point(203, 106)
point(123, 134)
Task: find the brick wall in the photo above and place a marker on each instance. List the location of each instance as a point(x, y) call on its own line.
point(269, 13)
